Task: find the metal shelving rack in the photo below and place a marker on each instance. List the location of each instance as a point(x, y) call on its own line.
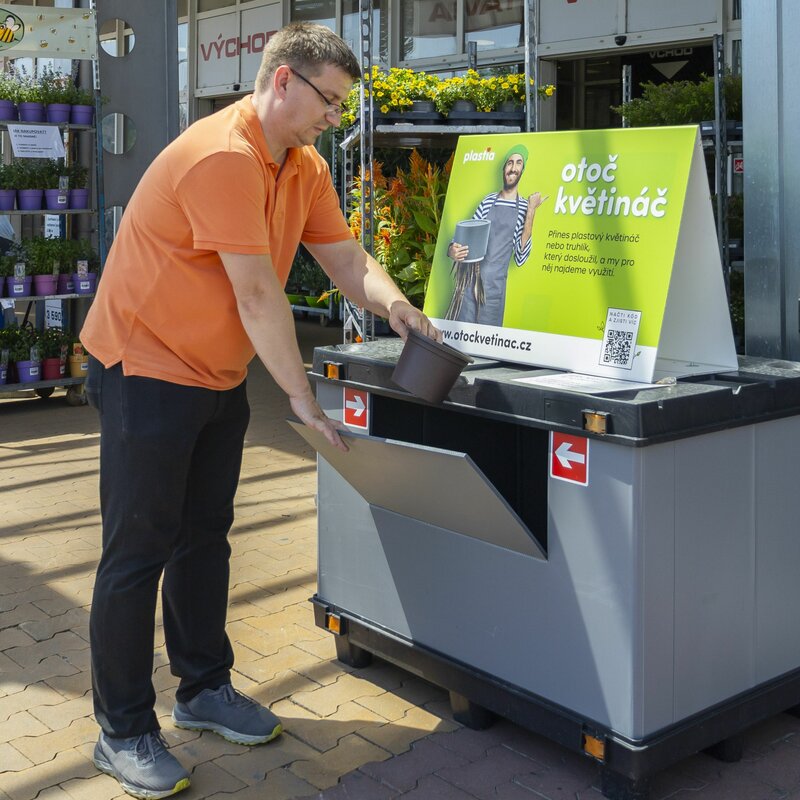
point(359, 324)
point(71, 48)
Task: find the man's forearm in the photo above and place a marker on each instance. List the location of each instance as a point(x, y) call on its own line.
point(270, 326)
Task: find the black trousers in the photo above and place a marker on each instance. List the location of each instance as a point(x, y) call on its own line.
point(170, 458)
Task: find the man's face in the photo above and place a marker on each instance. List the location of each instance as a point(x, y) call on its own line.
point(309, 115)
point(512, 171)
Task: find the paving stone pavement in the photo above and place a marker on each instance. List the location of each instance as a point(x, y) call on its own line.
point(364, 734)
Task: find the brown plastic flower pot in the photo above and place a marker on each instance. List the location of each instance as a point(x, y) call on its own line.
point(428, 369)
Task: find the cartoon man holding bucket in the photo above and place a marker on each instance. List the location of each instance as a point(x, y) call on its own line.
point(481, 248)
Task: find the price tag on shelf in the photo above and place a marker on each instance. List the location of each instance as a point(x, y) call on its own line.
point(53, 314)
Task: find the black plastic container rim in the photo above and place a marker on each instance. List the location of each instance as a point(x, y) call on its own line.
point(439, 347)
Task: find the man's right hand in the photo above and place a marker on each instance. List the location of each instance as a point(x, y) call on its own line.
point(458, 252)
point(308, 411)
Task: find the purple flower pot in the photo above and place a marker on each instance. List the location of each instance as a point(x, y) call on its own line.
point(29, 199)
point(82, 115)
point(45, 285)
point(85, 285)
point(19, 287)
point(58, 112)
point(8, 111)
point(8, 198)
point(65, 283)
point(28, 371)
point(79, 198)
point(31, 112)
point(56, 200)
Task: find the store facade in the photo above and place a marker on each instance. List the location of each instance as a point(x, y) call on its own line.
point(583, 45)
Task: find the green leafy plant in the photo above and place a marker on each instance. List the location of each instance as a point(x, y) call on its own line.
point(29, 90)
point(81, 96)
point(30, 173)
point(306, 275)
point(55, 87)
point(78, 176)
point(681, 102)
point(9, 87)
point(42, 253)
point(51, 342)
point(7, 177)
point(23, 340)
point(52, 171)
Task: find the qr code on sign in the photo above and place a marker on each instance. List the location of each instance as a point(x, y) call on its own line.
point(619, 339)
point(617, 348)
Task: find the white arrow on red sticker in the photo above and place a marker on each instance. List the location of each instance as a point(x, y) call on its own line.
point(565, 455)
point(357, 406)
point(569, 458)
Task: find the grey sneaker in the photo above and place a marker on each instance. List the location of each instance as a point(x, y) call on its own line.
point(229, 713)
point(142, 765)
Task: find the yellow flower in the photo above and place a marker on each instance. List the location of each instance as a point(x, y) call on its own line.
point(384, 109)
point(550, 90)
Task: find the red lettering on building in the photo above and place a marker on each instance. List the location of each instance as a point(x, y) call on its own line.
point(230, 48)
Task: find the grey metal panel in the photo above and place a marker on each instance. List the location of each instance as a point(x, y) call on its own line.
point(143, 85)
point(714, 569)
point(654, 524)
point(772, 177)
point(438, 487)
point(777, 521)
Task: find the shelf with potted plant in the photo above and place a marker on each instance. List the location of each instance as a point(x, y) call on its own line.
point(38, 360)
point(402, 97)
point(51, 269)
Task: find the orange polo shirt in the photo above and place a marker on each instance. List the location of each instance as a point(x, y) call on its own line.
point(165, 307)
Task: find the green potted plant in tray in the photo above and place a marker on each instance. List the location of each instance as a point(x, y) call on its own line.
point(25, 354)
point(56, 90)
point(8, 189)
point(56, 191)
point(30, 177)
point(9, 95)
point(78, 186)
point(82, 100)
point(29, 97)
point(18, 276)
point(44, 255)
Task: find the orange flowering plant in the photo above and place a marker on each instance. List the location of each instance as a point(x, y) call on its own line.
point(406, 217)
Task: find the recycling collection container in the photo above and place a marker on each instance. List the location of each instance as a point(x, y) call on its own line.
point(616, 570)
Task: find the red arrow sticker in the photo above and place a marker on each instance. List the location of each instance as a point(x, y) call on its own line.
point(569, 458)
point(356, 408)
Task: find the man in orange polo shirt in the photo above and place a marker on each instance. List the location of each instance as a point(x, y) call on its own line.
point(192, 290)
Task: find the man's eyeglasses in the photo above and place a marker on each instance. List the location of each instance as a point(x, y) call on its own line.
point(331, 109)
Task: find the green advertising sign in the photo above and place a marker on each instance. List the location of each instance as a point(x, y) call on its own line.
point(559, 249)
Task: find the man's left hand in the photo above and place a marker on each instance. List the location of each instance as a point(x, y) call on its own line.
point(402, 316)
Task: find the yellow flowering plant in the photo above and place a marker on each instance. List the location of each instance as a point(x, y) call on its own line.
point(395, 90)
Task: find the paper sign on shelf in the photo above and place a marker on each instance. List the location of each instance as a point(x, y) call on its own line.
point(601, 257)
point(34, 140)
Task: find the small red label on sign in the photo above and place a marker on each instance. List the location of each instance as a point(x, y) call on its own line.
point(569, 458)
point(356, 408)
point(738, 166)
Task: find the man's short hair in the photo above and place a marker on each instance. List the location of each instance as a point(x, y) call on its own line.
point(307, 48)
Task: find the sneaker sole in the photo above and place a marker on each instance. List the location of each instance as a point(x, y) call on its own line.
point(136, 791)
point(227, 733)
